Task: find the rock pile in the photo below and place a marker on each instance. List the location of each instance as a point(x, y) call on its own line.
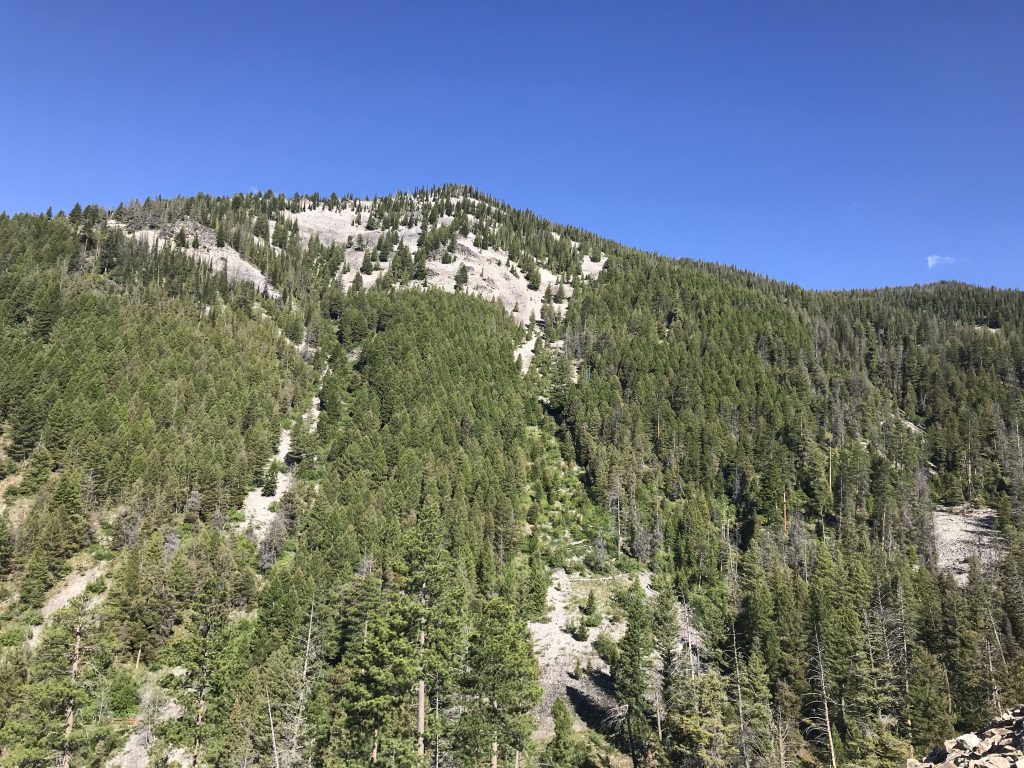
point(999, 745)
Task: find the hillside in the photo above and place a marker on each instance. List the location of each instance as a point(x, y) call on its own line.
point(427, 479)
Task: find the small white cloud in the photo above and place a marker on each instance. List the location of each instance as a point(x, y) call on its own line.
point(936, 261)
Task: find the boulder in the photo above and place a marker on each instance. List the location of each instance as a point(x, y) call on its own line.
point(968, 742)
point(1000, 744)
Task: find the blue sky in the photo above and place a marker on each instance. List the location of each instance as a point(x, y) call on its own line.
point(833, 144)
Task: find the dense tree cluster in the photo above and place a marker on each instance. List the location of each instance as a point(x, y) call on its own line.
point(770, 457)
point(776, 454)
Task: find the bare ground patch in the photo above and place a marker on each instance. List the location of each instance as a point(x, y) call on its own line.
point(73, 585)
point(256, 507)
point(219, 257)
point(589, 694)
point(963, 532)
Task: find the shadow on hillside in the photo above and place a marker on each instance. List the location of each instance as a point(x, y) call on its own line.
point(591, 712)
point(604, 682)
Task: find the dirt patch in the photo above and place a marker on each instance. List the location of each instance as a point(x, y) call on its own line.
point(208, 252)
point(592, 269)
point(525, 352)
point(156, 707)
point(60, 596)
point(490, 274)
point(256, 507)
point(964, 532)
point(589, 694)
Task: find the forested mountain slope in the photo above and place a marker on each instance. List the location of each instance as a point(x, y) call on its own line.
point(732, 480)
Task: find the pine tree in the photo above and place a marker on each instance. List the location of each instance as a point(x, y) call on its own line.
point(419, 267)
point(46, 724)
point(270, 479)
point(928, 714)
point(631, 673)
point(28, 418)
point(502, 675)
point(383, 671)
point(666, 628)
point(564, 750)
point(700, 734)
point(757, 715)
point(6, 544)
point(143, 597)
point(438, 599)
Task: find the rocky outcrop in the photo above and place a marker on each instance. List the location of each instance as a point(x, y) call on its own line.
point(999, 745)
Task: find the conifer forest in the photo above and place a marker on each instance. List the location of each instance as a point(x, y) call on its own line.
point(425, 480)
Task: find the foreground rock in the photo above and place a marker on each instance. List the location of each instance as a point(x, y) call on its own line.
point(999, 745)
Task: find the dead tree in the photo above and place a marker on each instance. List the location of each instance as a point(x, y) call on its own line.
point(821, 722)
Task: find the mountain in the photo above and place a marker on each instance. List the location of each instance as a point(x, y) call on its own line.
point(425, 478)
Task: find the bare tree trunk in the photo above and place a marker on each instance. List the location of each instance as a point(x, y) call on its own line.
point(830, 468)
point(903, 640)
point(824, 701)
point(739, 701)
point(273, 736)
point(69, 716)
point(294, 748)
point(949, 693)
point(494, 752)
point(781, 741)
point(198, 741)
point(437, 741)
point(421, 705)
point(376, 738)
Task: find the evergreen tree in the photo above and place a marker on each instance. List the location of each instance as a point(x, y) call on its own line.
point(631, 673)
point(502, 675)
point(564, 750)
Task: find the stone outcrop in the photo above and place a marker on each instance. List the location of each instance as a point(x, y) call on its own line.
point(999, 745)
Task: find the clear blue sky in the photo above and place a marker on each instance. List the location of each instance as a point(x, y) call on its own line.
point(834, 144)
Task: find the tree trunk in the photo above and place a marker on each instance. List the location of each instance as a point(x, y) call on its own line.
point(198, 741)
point(437, 741)
point(830, 469)
point(739, 701)
point(781, 742)
point(785, 513)
point(69, 716)
point(421, 706)
point(273, 736)
point(494, 753)
point(294, 747)
point(824, 703)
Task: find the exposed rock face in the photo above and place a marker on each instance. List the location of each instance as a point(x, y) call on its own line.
point(999, 745)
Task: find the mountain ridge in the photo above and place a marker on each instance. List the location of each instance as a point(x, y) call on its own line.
point(741, 489)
